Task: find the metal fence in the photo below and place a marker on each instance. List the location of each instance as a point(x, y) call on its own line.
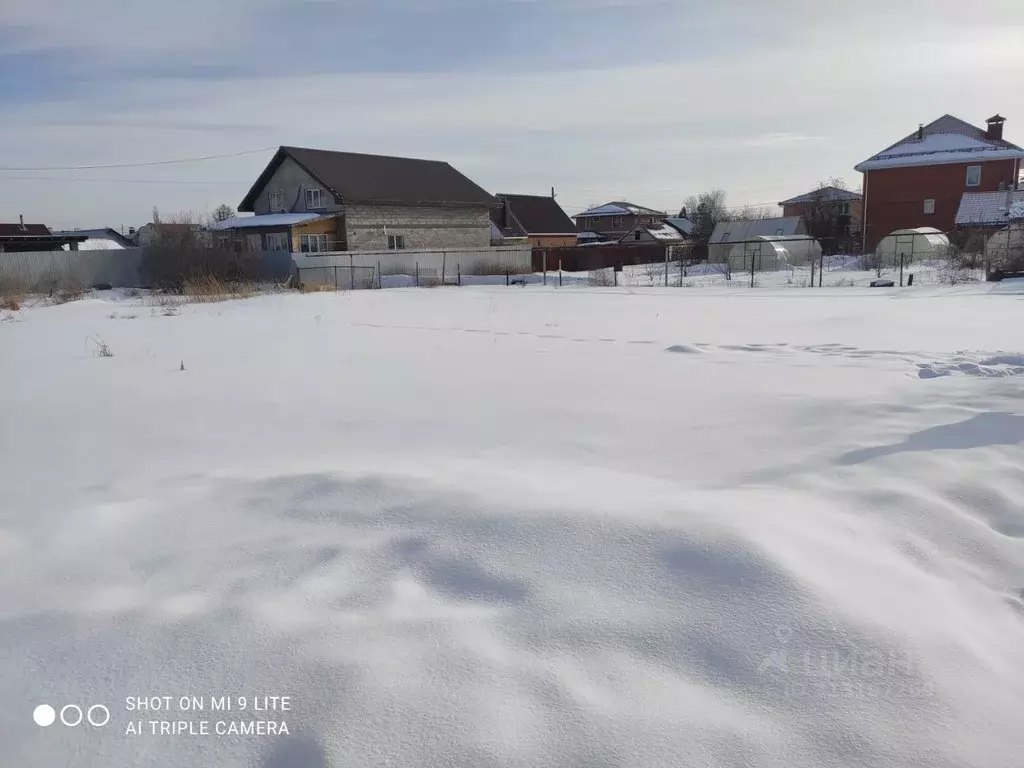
point(353, 270)
point(42, 271)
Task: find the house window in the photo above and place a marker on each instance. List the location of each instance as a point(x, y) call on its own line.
point(396, 242)
point(276, 201)
point(253, 243)
point(616, 221)
point(929, 206)
point(844, 208)
point(278, 241)
point(725, 237)
point(973, 175)
point(778, 231)
point(314, 199)
point(636, 235)
point(313, 243)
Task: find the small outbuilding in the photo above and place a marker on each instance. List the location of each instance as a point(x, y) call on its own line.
point(769, 252)
point(919, 244)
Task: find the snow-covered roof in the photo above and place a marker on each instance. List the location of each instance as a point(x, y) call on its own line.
point(734, 231)
point(825, 193)
point(681, 223)
point(588, 235)
point(619, 209)
point(266, 220)
point(989, 208)
point(664, 233)
point(98, 244)
point(946, 140)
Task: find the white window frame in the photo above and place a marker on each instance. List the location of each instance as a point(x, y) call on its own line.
point(314, 199)
point(844, 208)
point(254, 242)
point(779, 231)
point(929, 207)
point(977, 181)
point(616, 222)
point(316, 243)
point(396, 242)
point(277, 241)
point(276, 200)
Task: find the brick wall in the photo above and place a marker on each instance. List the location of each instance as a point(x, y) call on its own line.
point(422, 227)
point(895, 196)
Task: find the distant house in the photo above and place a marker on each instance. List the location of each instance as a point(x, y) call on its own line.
point(354, 201)
point(920, 180)
point(665, 233)
point(104, 238)
point(832, 215)
point(845, 202)
point(22, 238)
point(613, 220)
point(538, 218)
point(287, 232)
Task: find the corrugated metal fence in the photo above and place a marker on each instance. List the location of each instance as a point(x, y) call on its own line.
point(42, 271)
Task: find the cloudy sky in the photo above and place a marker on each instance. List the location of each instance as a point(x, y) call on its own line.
point(642, 100)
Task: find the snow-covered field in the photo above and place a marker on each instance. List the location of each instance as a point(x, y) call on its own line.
point(519, 527)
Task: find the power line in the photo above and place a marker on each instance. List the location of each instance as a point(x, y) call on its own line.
point(139, 165)
point(118, 181)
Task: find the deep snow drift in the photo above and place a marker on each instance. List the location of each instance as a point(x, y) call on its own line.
point(520, 527)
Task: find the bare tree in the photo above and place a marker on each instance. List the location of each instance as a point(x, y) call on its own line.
point(705, 211)
point(223, 212)
point(826, 213)
point(751, 213)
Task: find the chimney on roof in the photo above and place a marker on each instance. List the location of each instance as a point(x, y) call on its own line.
point(504, 212)
point(995, 127)
point(21, 222)
point(920, 131)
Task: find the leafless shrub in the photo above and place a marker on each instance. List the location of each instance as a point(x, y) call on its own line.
point(70, 293)
point(654, 272)
point(183, 251)
point(723, 268)
point(958, 267)
point(487, 267)
point(314, 287)
point(100, 347)
point(601, 277)
point(10, 303)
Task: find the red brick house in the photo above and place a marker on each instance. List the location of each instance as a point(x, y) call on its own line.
point(919, 180)
point(612, 221)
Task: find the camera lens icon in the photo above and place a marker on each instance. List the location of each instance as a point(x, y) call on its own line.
point(71, 715)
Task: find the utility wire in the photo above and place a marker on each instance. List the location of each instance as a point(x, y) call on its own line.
point(139, 165)
point(119, 181)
